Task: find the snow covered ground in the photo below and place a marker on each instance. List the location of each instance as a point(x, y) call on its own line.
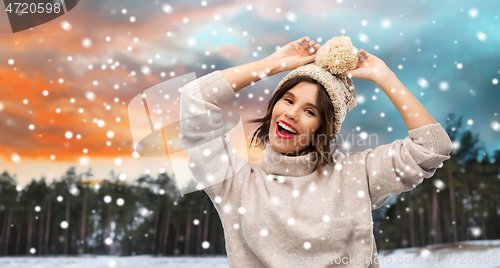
point(472, 254)
point(111, 262)
point(469, 254)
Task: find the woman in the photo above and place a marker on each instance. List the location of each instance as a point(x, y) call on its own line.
point(304, 207)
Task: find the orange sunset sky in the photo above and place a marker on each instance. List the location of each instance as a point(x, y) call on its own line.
point(65, 85)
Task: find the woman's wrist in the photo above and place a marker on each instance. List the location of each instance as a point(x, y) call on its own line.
point(383, 75)
point(272, 66)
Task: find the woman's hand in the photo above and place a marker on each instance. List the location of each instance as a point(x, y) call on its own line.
point(294, 54)
point(371, 68)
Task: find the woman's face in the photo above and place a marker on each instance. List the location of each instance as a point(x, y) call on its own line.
point(296, 109)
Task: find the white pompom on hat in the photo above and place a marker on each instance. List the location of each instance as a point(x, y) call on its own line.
point(334, 58)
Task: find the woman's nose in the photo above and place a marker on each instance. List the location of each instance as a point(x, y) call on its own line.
point(291, 114)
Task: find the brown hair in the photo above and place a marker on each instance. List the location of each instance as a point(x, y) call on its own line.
point(325, 131)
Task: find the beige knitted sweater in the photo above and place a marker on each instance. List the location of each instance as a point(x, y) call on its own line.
point(285, 214)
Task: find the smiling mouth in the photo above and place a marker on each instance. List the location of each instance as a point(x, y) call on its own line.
point(283, 133)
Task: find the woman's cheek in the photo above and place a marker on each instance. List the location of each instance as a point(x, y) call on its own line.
point(302, 138)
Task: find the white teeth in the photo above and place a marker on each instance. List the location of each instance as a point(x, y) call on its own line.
point(287, 127)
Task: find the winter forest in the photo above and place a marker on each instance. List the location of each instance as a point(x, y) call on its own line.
point(78, 215)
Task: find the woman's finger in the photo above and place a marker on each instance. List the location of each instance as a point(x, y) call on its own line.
point(302, 40)
point(364, 52)
point(314, 49)
point(361, 58)
point(307, 45)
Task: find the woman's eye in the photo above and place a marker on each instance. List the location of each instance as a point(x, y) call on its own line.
point(290, 101)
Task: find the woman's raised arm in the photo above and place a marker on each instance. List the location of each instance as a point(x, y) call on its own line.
point(288, 57)
point(213, 159)
point(374, 69)
point(403, 164)
point(243, 75)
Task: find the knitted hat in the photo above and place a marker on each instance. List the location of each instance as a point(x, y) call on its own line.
point(335, 57)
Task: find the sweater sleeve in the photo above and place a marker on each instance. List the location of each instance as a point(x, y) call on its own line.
point(212, 158)
point(402, 165)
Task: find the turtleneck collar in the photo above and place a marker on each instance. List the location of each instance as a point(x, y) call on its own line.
point(292, 166)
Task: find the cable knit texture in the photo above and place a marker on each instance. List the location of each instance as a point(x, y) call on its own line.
point(285, 214)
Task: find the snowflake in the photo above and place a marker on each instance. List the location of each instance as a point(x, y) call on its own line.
point(263, 232)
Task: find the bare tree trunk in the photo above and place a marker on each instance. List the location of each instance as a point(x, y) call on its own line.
point(7, 232)
point(469, 201)
point(188, 229)
point(30, 230)
point(162, 233)
point(215, 239)
point(435, 217)
point(483, 226)
point(155, 237)
point(205, 229)
point(219, 242)
point(39, 239)
point(4, 229)
point(18, 238)
point(47, 228)
point(431, 231)
point(199, 237)
point(403, 243)
point(73, 246)
point(103, 233)
point(55, 248)
point(176, 241)
point(165, 235)
point(108, 231)
point(452, 205)
point(446, 220)
point(162, 241)
point(464, 221)
point(422, 232)
point(81, 246)
point(412, 227)
point(66, 231)
point(482, 215)
point(2, 234)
